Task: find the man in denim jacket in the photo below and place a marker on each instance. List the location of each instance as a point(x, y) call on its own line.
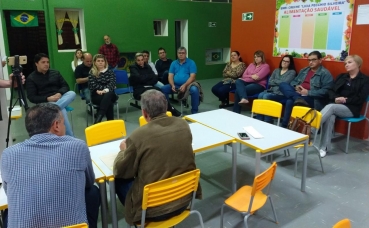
point(309, 88)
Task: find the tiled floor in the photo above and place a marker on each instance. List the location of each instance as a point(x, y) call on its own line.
point(341, 192)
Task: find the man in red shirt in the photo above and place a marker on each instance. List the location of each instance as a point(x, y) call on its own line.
point(309, 88)
point(110, 51)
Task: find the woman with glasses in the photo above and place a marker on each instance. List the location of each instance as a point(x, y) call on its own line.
point(286, 72)
point(232, 71)
point(101, 83)
point(347, 96)
point(253, 81)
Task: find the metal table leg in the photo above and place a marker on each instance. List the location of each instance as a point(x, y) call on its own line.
point(104, 218)
point(113, 203)
point(304, 168)
point(234, 166)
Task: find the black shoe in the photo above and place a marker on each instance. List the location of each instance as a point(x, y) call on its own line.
point(98, 118)
point(301, 102)
point(184, 103)
point(175, 112)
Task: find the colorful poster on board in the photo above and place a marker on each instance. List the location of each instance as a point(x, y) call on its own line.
point(125, 60)
point(302, 26)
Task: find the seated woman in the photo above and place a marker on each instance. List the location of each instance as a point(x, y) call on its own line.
point(101, 83)
point(78, 55)
point(232, 71)
point(285, 73)
point(347, 95)
point(253, 81)
point(143, 78)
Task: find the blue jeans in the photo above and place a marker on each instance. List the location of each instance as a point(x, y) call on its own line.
point(243, 89)
point(194, 92)
point(159, 84)
point(122, 187)
point(221, 91)
point(268, 96)
point(63, 102)
point(87, 94)
point(290, 93)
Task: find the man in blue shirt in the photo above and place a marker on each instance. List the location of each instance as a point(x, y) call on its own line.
point(49, 179)
point(182, 73)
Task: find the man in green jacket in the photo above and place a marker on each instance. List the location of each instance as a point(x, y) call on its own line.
point(158, 150)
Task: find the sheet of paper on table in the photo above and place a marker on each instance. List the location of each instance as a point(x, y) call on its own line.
point(108, 159)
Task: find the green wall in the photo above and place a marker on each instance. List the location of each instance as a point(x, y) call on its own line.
point(130, 26)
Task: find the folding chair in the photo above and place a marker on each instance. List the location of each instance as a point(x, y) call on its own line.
point(105, 131)
point(299, 111)
point(267, 107)
point(354, 120)
point(249, 199)
point(122, 79)
point(82, 225)
point(142, 121)
point(344, 223)
point(169, 190)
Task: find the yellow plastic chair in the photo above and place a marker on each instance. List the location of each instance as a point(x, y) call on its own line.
point(82, 225)
point(344, 223)
point(168, 190)
point(142, 120)
point(249, 199)
point(299, 111)
point(267, 107)
point(105, 131)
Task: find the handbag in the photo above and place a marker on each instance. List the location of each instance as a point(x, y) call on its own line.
point(300, 125)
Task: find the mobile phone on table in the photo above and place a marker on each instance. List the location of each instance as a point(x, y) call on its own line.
point(243, 135)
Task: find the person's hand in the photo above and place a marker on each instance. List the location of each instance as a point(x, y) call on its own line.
point(123, 145)
point(15, 82)
point(255, 77)
point(58, 95)
point(174, 88)
point(100, 92)
point(303, 92)
point(182, 88)
point(53, 98)
point(340, 100)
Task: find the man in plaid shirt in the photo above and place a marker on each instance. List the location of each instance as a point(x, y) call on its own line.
point(110, 51)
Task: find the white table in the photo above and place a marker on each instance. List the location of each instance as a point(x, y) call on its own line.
point(203, 138)
point(275, 138)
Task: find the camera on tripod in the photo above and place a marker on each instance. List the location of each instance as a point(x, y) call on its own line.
point(16, 62)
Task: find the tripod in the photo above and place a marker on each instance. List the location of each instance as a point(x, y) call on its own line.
point(16, 80)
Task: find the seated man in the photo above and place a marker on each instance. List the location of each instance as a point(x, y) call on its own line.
point(142, 78)
point(81, 74)
point(309, 88)
point(182, 75)
point(151, 153)
point(146, 57)
point(162, 65)
point(49, 179)
point(46, 85)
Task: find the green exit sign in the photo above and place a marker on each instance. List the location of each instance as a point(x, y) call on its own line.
point(249, 16)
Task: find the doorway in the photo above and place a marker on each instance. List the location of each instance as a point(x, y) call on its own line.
point(181, 35)
point(27, 40)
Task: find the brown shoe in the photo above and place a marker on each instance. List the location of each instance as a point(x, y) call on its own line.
point(301, 102)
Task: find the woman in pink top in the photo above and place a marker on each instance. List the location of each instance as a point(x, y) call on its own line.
point(253, 81)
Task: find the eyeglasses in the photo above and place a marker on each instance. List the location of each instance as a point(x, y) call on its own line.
point(181, 53)
point(311, 60)
point(284, 61)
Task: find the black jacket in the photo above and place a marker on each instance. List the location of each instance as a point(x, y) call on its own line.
point(357, 95)
point(40, 86)
point(141, 77)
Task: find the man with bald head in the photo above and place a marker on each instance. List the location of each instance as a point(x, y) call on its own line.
point(81, 73)
point(111, 52)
